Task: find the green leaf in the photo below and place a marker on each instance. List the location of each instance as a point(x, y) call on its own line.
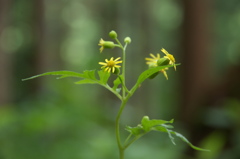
point(87, 81)
point(146, 74)
point(149, 124)
point(63, 74)
point(138, 130)
point(90, 74)
point(104, 76)
point(116, 83)
point(186, 140)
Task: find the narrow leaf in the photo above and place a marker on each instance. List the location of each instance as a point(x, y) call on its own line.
point(58, 73)
point(186, 140)
point(146, 74)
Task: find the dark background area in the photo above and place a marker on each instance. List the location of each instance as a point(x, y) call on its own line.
point(56, 119)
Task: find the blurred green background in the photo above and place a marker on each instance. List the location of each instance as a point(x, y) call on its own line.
point(55, 119)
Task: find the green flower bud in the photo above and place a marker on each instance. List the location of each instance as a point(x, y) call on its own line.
point(106, 44)
point(109, 44)
point(113, 34)
point(127, 40)
point(163, 61)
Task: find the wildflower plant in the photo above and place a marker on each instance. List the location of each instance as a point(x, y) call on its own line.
point(156, 65)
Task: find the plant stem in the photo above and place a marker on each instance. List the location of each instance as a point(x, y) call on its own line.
point(123, 104)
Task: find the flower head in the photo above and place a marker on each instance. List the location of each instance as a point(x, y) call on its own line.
point(170, 57)
point(153, 60)
point(110, 65)
point(106, 44)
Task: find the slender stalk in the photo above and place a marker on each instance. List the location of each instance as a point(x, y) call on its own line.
point(117, 124)
point(123, 73)
point(123, 104)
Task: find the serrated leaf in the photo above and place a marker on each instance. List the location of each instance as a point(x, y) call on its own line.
point(89, 74)
point(104, 76)
point(63, 74)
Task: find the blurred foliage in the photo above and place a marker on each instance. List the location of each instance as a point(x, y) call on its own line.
point(61, 120)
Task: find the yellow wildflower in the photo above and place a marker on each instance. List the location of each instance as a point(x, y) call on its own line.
point(110, 65)
point(152, 61)
point(170, 57)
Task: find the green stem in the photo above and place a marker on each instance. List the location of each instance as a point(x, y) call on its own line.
point(120, 147)
point(110, 89)
point(124, 101)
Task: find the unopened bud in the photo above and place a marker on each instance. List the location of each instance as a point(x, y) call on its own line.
point(127, 40)
point(113, 34)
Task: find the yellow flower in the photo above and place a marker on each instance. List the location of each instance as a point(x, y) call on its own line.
point(152, 61)
point(106, 44)
point(170, 57)
point(111, 64)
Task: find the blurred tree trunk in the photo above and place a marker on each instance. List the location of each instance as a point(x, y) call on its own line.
point(5, 56)
point(39, 61)
point(196, 57)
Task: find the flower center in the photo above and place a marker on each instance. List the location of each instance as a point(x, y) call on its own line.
point(111, 64)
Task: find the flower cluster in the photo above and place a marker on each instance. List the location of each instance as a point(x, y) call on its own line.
point(155, 61)
point(112, 66)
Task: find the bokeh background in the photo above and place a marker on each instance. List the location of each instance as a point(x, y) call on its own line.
point(55, 119)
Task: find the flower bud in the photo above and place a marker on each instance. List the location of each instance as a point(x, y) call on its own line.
point(113, 34)
point(163, 61)
point(127, 40)
point(109, 44)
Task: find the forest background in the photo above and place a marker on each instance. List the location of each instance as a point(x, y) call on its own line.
point(55, 119)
